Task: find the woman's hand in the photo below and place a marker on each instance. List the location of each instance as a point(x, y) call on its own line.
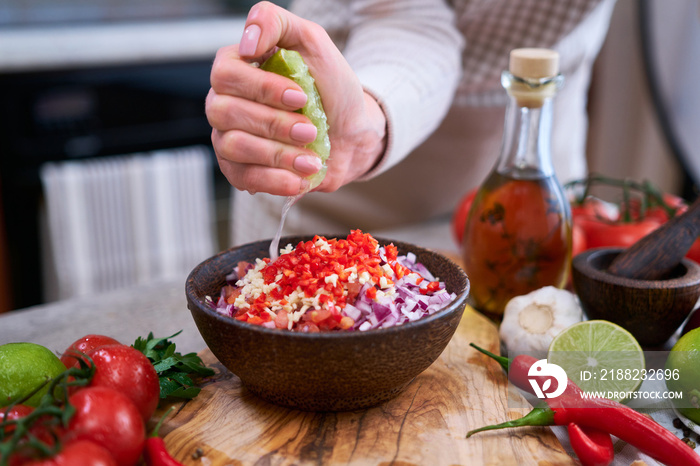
point(257, 135)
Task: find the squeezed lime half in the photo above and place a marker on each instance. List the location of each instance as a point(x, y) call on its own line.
point(602, 358)
point(290, 64)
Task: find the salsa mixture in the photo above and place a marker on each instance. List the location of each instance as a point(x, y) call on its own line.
point(332, 285)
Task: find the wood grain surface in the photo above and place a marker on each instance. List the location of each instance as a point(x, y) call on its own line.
point(425, 425)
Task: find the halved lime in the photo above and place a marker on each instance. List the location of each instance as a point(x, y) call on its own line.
point(602, 358)
point(290, 64)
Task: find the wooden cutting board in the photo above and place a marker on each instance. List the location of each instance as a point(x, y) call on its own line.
point(425, 425)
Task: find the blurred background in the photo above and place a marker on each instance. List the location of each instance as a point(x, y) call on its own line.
point(106, 170)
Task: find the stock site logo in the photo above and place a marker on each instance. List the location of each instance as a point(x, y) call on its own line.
point(544, 372)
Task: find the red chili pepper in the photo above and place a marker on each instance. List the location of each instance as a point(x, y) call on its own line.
point(155, 453)
point(592, 446)
point(614, 418)
point(518, 369)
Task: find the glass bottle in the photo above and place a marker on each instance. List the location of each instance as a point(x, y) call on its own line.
point(518, 233)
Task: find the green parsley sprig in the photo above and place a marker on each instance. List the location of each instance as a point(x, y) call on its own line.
point(175, 371)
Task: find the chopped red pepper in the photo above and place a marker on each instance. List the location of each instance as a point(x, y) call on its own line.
point(430, 288)
point(372, 292)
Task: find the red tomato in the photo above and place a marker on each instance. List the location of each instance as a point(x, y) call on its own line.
point(459, 217)
point(599, 221)
point(19, 456)
point(694, 251)
point(23, 453)
point(19, 460)
point(604, 234)
point(15, 412)
point(656, 211)
point(130, 372)
point(83, 453)
point(108, 418)
point(578, 240)
point(595, 208)
point(69, 358)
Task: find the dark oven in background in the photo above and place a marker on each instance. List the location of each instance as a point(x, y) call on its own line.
point(74, 114)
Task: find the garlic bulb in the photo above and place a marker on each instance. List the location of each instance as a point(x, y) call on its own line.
point(531, 321)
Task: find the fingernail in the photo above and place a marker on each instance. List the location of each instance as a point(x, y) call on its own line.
point(249, 41)
point(293, 98)
point(308, 164)
point(303, 132)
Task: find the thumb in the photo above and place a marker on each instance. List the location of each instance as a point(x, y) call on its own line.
point(267, 26)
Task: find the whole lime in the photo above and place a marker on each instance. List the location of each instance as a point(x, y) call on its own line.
point(684, 365)
point(23, 368)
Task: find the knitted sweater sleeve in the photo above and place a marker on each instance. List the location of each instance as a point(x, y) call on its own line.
point(407, 55)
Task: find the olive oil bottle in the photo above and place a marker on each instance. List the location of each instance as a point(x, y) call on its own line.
point(518, 233)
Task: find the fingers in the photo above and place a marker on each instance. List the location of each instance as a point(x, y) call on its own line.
point(258, 164)
point(244, 148)
point(268, 26)
point(226, 112)
point(257, 134)
point(255, 178)
point(230, 75)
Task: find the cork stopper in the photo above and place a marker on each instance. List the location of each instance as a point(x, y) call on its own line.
point(532, 63)
point(538, 72)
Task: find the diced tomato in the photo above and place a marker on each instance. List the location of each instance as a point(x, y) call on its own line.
point(309, 327)
point(319, 315)
point(346, 322)
point(282, 319)
point(231, 294)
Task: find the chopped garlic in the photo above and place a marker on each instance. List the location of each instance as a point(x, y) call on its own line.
point(332, 278)
point(384, 283)
point(388, 270)
point(364, 278)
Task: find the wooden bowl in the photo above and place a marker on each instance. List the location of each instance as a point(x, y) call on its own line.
point(652, 310)
point(326, 371)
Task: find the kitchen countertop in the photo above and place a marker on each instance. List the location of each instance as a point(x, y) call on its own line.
point(126, 314)
point(63, 47)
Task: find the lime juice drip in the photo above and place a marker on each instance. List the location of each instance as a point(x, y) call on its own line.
point(275, 244)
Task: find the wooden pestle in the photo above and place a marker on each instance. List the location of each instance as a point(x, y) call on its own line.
point(654, 256)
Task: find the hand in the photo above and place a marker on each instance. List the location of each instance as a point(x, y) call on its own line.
point(257, 135)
